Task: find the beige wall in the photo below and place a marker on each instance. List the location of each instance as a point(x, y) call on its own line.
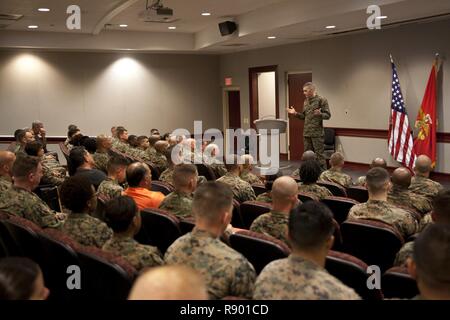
point(353, 72)
point(98, 90)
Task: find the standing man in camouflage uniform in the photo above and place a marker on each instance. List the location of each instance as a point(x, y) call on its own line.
point(315, 110)
point(20, 200)
point(242, 190)
point(377, 207)
point(78, 195)
point(421, 183)
point(226, 272)
point(110, 188)
point(284, 199)
point(335, 174)
point(7, 159)
point(179, 202)
point(302, 276)
point(124, 219)
point(400, 196)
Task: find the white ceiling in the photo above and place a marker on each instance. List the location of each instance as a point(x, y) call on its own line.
point(289, 20)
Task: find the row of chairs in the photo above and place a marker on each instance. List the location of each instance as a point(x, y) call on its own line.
point(161, 228)
point(102, 275)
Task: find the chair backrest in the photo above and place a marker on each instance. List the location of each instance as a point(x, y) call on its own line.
point(50, 195)
point(236, 220)
point(24, 233)
point(306, 196)
point(340, 207)
point(374, 242)
point(105, 276)
point(397, 283)
point(159, 228)
point(57, 256)
point(250, 210)
point(186, 225)
point(358, 193)
point(259, 249)
point(352, 272)
point(329, 136)
point(336, 189)
point(162, 187)
point(206, 171)
point(8, 245)
point(259, 188)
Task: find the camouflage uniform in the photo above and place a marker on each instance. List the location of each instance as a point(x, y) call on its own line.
point(296, 173)
point(313, 133)
point(315, 189)
point(122, 147)
point(265, 197)
point(25, 204)
point(139, 255)
point(159, 160)
point(295, 278)
point(335, 176)
point(109, 189)
point(226, 272)
point(425, 221)
point(52, 172)
point(273, 224)
point(404, 198)
point(425, 187)
point(242, 190)
point(5, 184)
point(167, 176)
point(387, 213)
point(150, 152)
point(178, 203)
point(101, 161)
point(250, 177)
point(405, 252)
point(361, 181)
point(87, 230)
point(216, 165)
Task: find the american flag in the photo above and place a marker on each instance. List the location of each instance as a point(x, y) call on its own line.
point(401, 145)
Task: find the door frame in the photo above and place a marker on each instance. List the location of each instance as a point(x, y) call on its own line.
point(253, 91)
point(225, 108)
point(286, 78)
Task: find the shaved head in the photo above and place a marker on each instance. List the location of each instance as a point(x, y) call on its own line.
point(378, 163)
point(284, 187)
point(169, 283)
point(337, 159)
point(423, 165)
point(309, 155)
point(401, 177)
point(7, 159)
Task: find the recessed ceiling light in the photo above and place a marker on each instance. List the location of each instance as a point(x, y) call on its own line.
point(123, 25)
point(271, 37)
point(330, 27)
point(206, 14)
point(381, 17)
point(44, 9)
point(172, 28)
point(33, 27)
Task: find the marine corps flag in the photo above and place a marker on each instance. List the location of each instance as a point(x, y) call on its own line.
point(426, 122)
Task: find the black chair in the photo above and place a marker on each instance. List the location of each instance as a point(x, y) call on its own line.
point(357, 193)
point(259, 189)
point(329, 142)
point(305, 196)
point(159, 228)
point(24, 235)
point(250, 210)
point(162, 187)
point(259, 249)
point(374, 242)
point(352, 272)
point(104, 276)
point(57, 257)
point(206, 171)
point(397, 283)
point(186, 225)
point(236, 220)
point(340, 207)
point(50, 195)
point(336, 189)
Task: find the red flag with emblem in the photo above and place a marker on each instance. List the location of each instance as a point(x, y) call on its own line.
point(426, 122)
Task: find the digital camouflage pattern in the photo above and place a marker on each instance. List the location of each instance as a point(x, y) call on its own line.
point(109, 189)
point(242, 190)
point(295, 278)
point(87, 230)
point(178, 203)
point(425, 187)
point(167, 176)
point(315, 189)
point(226, 272)
point(273, 224)
point(405, 198)
point(265, 197)
point(335, 176)
point(101, 161)
point(250, 177)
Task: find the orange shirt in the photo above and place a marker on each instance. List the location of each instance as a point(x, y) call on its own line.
point(145, 198)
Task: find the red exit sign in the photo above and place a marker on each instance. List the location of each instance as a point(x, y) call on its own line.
point(228, 81)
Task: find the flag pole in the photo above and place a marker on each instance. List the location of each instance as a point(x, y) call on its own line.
point(437, 56)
